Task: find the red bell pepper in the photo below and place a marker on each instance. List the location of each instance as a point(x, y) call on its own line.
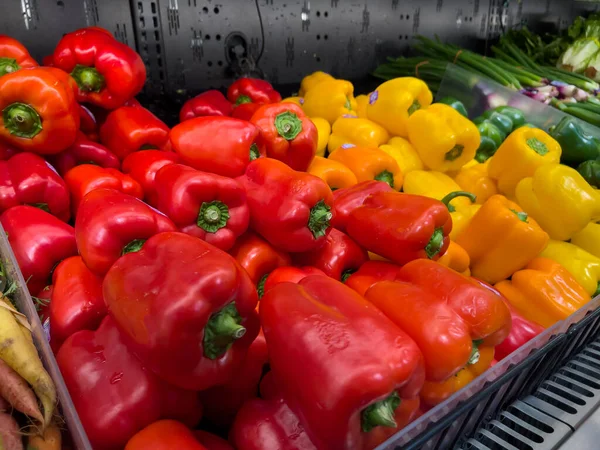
point(110, 224)
point(39, 241)
point(339, 256)
point(401, 227)
point(287, 134)
point(14, 56)
point(220, 145)
point(221, 403)
point(269, 425)
point(289, 209)
point(107, 72)
point(287, 275)
point(84, 151)
point(142, 167)
point(372, 272)
point(87, 123)
point(130, 128)
point(209, 103)
point(346, 200)
point(344, 364)
point(245, 111)
point(483, 310)
point(165, 435)
point(115, 396)
point(252, 90)
point(212, 441)
point(208, 206)
point(42, 306)
point(186, 309)
point(28, 179)
point(86, 178)
point(77, 303)
point(39, 110)
point(7, 151)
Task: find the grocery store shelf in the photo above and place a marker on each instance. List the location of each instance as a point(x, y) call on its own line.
point(587, 436)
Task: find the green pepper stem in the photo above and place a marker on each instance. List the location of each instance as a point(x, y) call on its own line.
point(221, 331)
point(537, 146)
point(243, 99)
point(475, 355)
point(435, 244)
point(288, 125)
point(213, 216)
point(8, 65)
point(414, 107)
point(597, 291)
point(454, 152)
point(318, 220)
point(254, 152)
point(381, 413)
point(260, 286)
point(22, 120)
point(386, 176)
point(88, 78)
point(133, 246)
point(452, 195)
point(346, 274)
point(42, 206)
point(522, 215)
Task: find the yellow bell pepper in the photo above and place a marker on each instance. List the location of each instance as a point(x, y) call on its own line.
point(391, 104)
point(330, 100)
point(334, 173)
point(588, 239)
point(361, 105)
point(461, 214)
point(518, 157)
point(474, 178)
point(353, 130)
point(370, 164)
point(310, 81)
point(296, 100)
point(433, 185)
point(444, 139)
point(404, 153)
point(323, 130)
point(456, 258)
point(559, 199)
point(584, 266)
point(500, 239)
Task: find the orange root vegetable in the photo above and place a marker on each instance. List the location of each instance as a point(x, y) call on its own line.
point(17, 392)
point(10, 437)
point(51, 440)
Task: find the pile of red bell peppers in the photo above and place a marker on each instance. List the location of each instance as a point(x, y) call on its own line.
point(199, 276)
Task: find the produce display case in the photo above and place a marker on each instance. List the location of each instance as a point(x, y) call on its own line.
point(538, 396)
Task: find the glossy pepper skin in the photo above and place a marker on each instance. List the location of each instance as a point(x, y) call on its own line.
point(295, 100)
point(39, 241)
point(245, 111)
point(110, 224)
point(432, 184)
point(142, 167)
point(333, 411)
point(330, 99)
point(394, 101)
point(501, 239)
point(544, 292)
point(461, 215)
point(334, 173)
point(491, 138)
point(77, 303)
point(474, 178)
point(287, 134)
point(88, 123)
point(323, 133)
point(404, 153)
point(361, 105)
point(443, 138)
point(349, 129)
point(14, 56)
point(288, 275)
point(348, 199)
point(456, 258)
point(205, 205)
point(520, 155)
point(165, 435)
point(401, 227)
point(7, 151)
point(372, 272)
point(584, 266)
point(86, 178)
point(221, 145)
point(588, 239)
point(338, 257)
point(370, 164)
point(176, 292)
point(252, 90)
point(310, 81)
point(577, 146)
point(514, 114)
point(559, 199)
point(27, 178)
point(503, 123)
point(84, 151)
point(115, 396)
point(130, 128)
point(291, 210)
point(107, 72)
point(39, 110)
point(455, 104)
point(209, 103)
point(590, 171)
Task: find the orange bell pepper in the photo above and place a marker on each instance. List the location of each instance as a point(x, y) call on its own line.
point(474, 178)
point(544, 292)
point(456, 258)
point(332, 172)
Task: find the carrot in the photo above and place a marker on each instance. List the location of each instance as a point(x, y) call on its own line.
point(51, 440)
point(19, 353)
point(10, 437)
point(17, 392)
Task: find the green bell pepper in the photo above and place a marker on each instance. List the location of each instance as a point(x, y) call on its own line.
point(590, 170)
point(491, 139)
point(517, 116)
point(455, 104)
point(504, 123)
point(487, 148)
point(577, 146)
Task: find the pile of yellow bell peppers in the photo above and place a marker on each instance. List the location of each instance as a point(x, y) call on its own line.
point(521, 221)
